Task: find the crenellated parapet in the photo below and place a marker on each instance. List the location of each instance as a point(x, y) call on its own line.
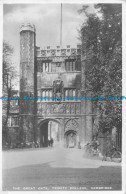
point(27, 27)
point(51, 51)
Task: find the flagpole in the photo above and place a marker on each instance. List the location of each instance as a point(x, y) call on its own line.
point(61, 27)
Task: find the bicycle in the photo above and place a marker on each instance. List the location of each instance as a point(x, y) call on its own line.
point(113, 153)
point(88, 148)
point(91, 149)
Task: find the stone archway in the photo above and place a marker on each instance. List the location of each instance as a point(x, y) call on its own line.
point(44, 134)
point(71, 133)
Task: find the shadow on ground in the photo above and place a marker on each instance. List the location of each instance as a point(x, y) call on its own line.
point(44, 177)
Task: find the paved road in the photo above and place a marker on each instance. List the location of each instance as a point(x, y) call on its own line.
point(58, 169)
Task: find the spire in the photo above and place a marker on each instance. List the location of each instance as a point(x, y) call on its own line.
point(61, 27)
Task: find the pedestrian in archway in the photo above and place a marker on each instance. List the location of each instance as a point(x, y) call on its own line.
point(51, 142)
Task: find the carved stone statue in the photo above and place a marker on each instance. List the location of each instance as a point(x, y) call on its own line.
point(58, 88)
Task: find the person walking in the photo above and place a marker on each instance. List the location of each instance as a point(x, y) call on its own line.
point(51, 142)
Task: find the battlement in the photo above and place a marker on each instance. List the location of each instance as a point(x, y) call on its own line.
point(27, 27)
point(68, 50)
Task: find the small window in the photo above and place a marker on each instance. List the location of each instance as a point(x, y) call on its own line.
point(69, 92)
point(67, 66)
point(74, 93)
point(43, 67)
point(46, 93)
point(66, 94)
point(46, 67)
point(39, 94)
point(71, 65)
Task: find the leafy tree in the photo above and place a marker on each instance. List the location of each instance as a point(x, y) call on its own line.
point(102, 46)
point(9, 76)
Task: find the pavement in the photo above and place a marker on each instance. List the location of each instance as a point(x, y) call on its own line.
point(58, 167)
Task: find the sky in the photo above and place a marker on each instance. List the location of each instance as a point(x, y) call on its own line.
point(46, 18)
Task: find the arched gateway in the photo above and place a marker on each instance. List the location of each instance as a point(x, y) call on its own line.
point(53, 72)
point(47, 129)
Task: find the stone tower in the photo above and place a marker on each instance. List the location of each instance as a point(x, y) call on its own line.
point(27, 81)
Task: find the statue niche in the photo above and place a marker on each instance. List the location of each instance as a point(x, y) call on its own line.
point(58, 89)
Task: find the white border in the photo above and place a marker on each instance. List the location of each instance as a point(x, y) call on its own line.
point(123, 92)
point(61, 1)
point(1, 51)
point(123, 2)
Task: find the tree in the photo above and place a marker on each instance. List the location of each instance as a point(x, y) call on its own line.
point(102, 45)
point(9, 75)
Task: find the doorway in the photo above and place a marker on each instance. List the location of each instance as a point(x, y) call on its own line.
point(44, 135)
point(50, 130)
point(70, 139)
